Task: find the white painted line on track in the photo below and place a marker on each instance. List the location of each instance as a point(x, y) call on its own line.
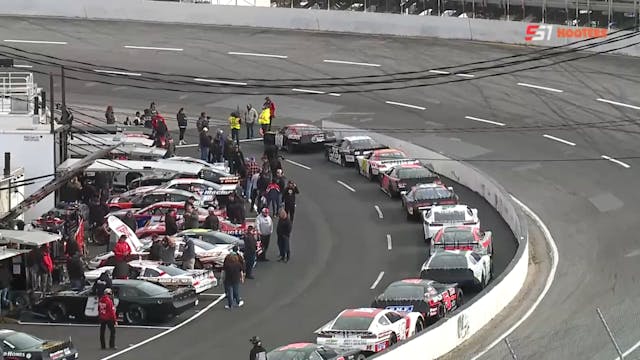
point(205, 294)
point(631, 349)
point(346, 186)
point(166, 332)
point(616, 161)
point(406, 105)
point(379, 211)
point(389, 245)
point(552, 275)
point(152, 48)
point(540, 87)
point(619, 104)
point(375, 283)
point(186, 146)
point(350, 63)
point(250, 140)
point(567, 142)
point(466, 75)
point(223, 82)
point(36, 42)
point(117, 72)
point(308, 91)
point(484, 120)
point(257, 55)
point(334, 94)
point(22, 66)
point(297, 164)
point(35, 323)
point(439, 72)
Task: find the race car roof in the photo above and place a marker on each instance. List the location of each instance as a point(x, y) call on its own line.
point(357, 137)
point(30, 238)
point(362, 312)
point(106, 165)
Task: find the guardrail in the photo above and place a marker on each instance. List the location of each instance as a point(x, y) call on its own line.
point(510, 32)
point(446, 335)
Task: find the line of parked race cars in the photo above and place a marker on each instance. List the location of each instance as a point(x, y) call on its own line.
point(458, 251)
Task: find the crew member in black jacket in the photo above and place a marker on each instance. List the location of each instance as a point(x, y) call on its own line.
point(284, 232)
point(289, 198)
point(257, 351)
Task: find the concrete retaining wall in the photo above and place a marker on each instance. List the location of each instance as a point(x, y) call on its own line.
point(449, 334)
point(510, 32)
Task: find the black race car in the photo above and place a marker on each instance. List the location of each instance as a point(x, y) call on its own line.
point(137, 301)
point(309, 351)
point(402, 177)
point(21, 346)
point(297, 136)
point(423, 196)
point(209, 174)
point(344, 152)
point(428, 297)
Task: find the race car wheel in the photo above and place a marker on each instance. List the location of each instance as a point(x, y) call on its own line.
point(361, 357)
point(393, 339)
point(419, 326)
point(135, 315)
point(343, 161)
point(57, 312)
point(459, 298)
point(441, 312)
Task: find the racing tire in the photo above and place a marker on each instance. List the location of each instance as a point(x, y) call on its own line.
point(459, 298)
point(57, 312)
point(132, 176)
point(441, 312)
point(343, 161)
point(482, 283)
point(419, 326)
point(393, 339)
point(361, 357)
point(135, 314)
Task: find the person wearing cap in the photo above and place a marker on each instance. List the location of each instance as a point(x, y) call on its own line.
point(250, 249)
point(257, 351)
point(212, 222)
point(121, 252)
point(234, 271)
point(108, 318)
point(264, 227)
point(234, 125)
point(272, 110)
point(205, 143)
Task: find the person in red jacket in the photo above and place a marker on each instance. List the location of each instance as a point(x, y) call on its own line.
point(47, 264)
point(108, 318)
point(121, 252)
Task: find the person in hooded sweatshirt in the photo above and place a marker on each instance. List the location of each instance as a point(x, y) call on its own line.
point(108, 318)
point(103, 282)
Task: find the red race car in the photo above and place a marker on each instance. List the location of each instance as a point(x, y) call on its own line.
point(401, 178)
point(155, 213)
point(465, 237)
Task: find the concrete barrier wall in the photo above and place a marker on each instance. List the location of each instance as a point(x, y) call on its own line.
point(449, 334)
point(510, 32)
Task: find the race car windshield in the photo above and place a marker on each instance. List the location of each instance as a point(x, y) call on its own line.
point(404, 291)
point(392, 155)
point(294, 354)
point(151, 289)
point(431, 193)
point(352, 323)
point(172, 270)
point(414, 173)
point(449, 216)
point(308, 130)
point(363, 143)
point(448, 261)
point(21, 341)
point(457, 236)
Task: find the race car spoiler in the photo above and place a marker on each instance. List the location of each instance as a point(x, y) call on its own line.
point(443, 201)
point(345, 333)
point(398, 161)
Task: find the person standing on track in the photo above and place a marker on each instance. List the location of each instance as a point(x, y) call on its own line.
point(202, 122)
point(272, 110)
point(170, 224)
point(289, 198)
point(252, 169)
point(234, 124)
point(250, 119)
point(233, 269)
point(265, 120)
point(273, 195)
point(108, 318)
point(211, 222)
point(205, 143)
point(121, 253)
point(181, 117)
point(250, 249)
point(264, 226)
point(189, 254)
point(284, 232)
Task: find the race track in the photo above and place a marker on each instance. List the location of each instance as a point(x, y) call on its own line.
point(589, 205)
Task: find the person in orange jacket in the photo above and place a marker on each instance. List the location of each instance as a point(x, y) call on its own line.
point(121, 252)
point(108, 318)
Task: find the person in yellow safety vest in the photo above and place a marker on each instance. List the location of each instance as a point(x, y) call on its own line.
point(265, 119)
point(234, 123)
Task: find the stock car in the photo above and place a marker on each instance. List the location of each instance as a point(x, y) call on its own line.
point(428, 297)
point(208, 190)
point(298, 136)
point(137, 301)
point(146, 198)
point(463, 237)
point(404, 176)
point(466, 268)
point(168, 276)
point(440, 216)
point(217, 237)
point(155, 213)
point(227, 227)
point(309, 351)
point(422, 197)
point(379, 161)
point(369, 330)
point(214, 175)
point(344, 151)
point(22, 346)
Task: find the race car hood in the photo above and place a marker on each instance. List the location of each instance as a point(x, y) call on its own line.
point(119, 228)
point(123, 212)
point(54, 349)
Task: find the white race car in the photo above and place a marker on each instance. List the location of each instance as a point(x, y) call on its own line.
point(466, 268)
point(440, 216)
point(167, 276)
point(379, 161)
point(368, 329)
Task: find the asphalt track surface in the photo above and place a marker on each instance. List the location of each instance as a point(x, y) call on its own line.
point(589, 206)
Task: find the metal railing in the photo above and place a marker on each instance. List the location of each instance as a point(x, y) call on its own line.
point(17, 91)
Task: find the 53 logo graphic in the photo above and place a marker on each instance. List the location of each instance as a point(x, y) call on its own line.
point(538, 32)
